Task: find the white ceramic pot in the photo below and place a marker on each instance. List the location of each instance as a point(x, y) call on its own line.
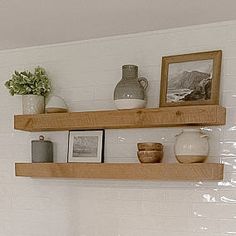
point(32, 104)
point(191, 146)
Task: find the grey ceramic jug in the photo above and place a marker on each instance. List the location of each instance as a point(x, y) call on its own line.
point(130, 91)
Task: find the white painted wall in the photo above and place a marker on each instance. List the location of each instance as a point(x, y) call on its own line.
point(85, 74)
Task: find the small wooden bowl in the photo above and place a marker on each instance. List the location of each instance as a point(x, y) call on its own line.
point(150, 146)
point(150, 156)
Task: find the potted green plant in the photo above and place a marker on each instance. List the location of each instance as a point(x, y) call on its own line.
point(33, 86)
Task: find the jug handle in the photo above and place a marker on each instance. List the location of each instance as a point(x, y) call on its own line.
point(143, 81)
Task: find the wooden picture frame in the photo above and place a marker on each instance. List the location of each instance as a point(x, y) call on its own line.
point(191, 79)
point(86, 146)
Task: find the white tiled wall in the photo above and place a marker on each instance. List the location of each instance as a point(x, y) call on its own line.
point(85, 74)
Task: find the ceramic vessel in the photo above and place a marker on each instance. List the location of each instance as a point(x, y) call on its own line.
point(191, 146)
point(41, 150)
point(32, 104)
point(55, 104)
point(130, 91)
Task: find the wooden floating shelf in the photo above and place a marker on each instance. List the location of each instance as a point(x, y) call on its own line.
point(117, 119)
point(160, 171)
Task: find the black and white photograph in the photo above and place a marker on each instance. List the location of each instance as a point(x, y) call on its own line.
point(86, 146)
point(190, 79)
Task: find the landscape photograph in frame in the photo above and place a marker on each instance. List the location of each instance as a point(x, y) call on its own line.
point(191, 79)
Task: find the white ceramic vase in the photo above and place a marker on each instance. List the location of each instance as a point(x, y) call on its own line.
point(32, 104)
point(191, 146)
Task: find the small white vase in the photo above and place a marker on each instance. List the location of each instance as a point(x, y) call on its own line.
point(32, 104)
point(191, 146)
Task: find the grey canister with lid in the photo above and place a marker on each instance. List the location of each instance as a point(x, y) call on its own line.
point(41, 150)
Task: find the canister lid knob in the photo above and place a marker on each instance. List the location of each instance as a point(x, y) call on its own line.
point(41, 138)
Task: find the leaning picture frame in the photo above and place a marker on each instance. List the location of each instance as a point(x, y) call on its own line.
point(86, 146)
point(191, 79)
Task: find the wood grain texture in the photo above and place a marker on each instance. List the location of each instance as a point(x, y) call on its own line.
point(116, 119)
point(128, 171)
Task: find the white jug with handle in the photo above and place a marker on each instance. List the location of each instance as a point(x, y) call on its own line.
point(191, 146)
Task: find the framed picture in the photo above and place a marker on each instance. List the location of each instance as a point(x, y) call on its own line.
point(191, 79)
point(86, 146)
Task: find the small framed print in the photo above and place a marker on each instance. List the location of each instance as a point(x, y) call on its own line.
point(191, 79)
point(86, 146)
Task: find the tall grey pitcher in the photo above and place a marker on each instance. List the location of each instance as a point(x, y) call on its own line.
point(130, 92)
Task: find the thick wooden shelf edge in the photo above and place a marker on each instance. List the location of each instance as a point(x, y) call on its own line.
point(116, 119)
point(123, 171)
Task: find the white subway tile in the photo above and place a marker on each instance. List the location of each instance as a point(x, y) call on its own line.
point(211, 210)
point(153, 195)
point(204, 225)
point(227, 226)
point(169, 209)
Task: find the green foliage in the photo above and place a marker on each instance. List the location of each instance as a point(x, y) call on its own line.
point(23, 83)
